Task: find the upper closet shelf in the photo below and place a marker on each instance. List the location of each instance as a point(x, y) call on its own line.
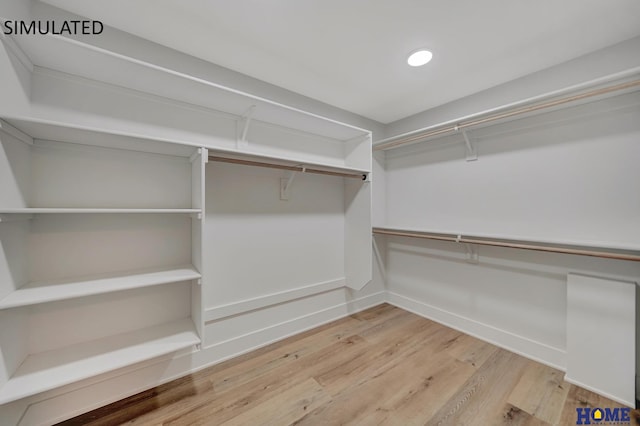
point(41, 133)
point(191, 87)
point(40, 292)
point(614, 85)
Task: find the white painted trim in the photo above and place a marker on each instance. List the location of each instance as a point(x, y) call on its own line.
point(599, 392)
point(539, 352)
point(359, 305)
point(62, 404)
point(223, 311)
point(15, 132)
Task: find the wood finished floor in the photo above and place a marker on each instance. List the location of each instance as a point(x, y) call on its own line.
point(380, 366)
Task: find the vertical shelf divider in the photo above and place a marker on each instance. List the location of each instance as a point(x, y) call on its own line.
point(198, 166)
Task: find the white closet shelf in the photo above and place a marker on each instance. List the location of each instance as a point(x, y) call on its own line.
point(55, 210)
point(50, 291)
point(81, 58)
point(42, 131)
point(48, 370)
point(285, 161)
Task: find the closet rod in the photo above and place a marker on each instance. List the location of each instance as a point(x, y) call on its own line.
point(496, 243)
point(500, 116)
point(302, 169)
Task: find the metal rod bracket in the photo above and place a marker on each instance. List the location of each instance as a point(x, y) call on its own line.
point(243, 128)
point(285, 185)
point(472, 154)
point(472, 254)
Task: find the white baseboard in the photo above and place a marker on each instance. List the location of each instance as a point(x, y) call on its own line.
point(61, 404)
point(631, 404)
point(536, 351)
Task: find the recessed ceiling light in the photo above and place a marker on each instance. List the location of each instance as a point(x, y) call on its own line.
point(419, 58)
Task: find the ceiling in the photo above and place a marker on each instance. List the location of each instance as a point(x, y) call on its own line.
point(352, 53)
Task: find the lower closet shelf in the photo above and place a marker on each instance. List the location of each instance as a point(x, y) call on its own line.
point(49, 370)
point(40, 292)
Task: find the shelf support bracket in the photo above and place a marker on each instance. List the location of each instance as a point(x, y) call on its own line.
point(285, 185)
point(472, 154)
point(243, 127)
point(472, 254)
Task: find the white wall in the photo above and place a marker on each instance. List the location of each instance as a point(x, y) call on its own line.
point(257, 244)
point(569, 175)
point(72, 175)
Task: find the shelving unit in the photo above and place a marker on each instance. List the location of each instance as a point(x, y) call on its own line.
point(88, 229)
point(103, 201)
point(190, 109)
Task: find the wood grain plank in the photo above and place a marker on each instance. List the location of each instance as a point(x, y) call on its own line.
point(354, 403)
point(284, 408)
point(514, 416)
point(423, 394)
point(232, 402)
point(541, 392)
point(471, 350)
point(484, 394)
point(390, 351)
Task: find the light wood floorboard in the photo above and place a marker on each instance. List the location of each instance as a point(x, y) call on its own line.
point(382, 366)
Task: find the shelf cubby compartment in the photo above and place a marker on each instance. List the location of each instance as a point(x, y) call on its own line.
point(51, 369)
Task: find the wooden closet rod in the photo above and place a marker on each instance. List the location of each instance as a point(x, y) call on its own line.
point(496, 243)
point(302, 169)
point(507, 114)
